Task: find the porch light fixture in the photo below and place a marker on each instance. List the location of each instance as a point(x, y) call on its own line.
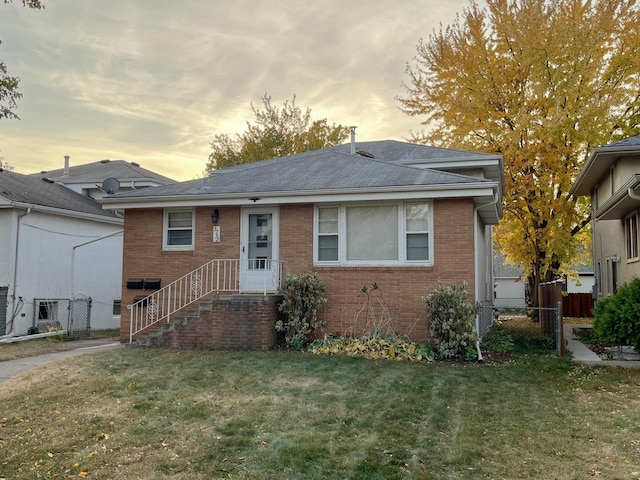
point(215, 215)
point(254, 199)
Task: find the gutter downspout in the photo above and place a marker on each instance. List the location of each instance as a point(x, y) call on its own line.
point(15, 270)
point(490, 266)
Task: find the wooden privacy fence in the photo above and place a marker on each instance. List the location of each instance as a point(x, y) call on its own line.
point(577, 305)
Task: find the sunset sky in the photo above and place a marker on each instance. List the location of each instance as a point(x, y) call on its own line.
point(152, 81)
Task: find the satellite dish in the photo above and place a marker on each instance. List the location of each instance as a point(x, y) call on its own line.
point(111, 185)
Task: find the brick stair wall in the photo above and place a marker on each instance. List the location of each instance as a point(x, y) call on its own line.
point(227, 322)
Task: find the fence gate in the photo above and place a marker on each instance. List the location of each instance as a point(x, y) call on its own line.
point(526, 323)
point(74, 316)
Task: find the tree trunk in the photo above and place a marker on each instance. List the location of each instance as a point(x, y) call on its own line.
point(531, 296)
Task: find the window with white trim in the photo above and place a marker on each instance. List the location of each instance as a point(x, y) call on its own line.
point(328, 234)
point(631, 236)
point(374, 234)
point(178, 229)
point(417, 231)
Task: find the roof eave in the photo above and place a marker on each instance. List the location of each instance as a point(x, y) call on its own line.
point(492, 165)
point(65, 213)
point(479, 189)
point(98, 181)
point(599, 161)
point(617, 206)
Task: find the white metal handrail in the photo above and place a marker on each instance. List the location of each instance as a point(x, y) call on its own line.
point(217, 275)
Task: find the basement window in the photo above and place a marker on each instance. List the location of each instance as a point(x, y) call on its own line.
point(47, 311)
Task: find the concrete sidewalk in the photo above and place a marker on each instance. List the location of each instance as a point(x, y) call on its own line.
point(12, 368)
point(581, 353)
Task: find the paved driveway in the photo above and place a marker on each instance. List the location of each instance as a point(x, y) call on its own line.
point(12, 368)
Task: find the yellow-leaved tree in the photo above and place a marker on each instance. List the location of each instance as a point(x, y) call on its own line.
point(541, 82)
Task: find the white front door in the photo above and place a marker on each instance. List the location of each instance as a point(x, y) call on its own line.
point(259, 268)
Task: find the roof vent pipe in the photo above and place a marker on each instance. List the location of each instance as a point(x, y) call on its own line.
point(66, 166)
point(353, 139)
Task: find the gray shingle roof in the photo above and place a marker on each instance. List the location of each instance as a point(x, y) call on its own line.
point(27, 189)
point(502, 269)
point(319, 170)
point(102, 169)
point(627, 142)
point(393, 150)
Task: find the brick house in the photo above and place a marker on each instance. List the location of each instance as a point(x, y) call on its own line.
point(398, 215)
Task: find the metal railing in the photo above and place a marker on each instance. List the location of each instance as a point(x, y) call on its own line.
point(215, 276)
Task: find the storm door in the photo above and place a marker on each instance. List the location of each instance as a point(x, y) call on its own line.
point(260, 269)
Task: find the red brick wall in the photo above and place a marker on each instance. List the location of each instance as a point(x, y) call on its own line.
point(401, 288)
point(296, 238)
point(235, 322)
point(143, 256)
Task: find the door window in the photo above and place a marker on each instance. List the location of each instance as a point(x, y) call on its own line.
point(260, 240)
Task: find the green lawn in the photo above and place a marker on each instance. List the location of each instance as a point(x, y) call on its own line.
point(168, 414)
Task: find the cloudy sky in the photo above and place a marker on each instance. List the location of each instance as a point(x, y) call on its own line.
point(152, 81)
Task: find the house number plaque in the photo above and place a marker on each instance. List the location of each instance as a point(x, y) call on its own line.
point(216, 234)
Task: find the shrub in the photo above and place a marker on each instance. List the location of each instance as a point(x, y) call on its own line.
point(617, 318)
point(391, 347)
point(450, 320)
point(303, 294)
point(497, 339)
point(604, 323)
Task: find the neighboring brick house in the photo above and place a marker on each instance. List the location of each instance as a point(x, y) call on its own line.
point(611, 177)
point(400, 215)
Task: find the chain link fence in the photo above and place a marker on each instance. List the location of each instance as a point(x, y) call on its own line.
point(540, 325)
point(53, 314)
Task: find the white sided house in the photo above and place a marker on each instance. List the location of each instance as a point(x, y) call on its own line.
point(57, 245)
point(510, 284)
point(611, 178)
